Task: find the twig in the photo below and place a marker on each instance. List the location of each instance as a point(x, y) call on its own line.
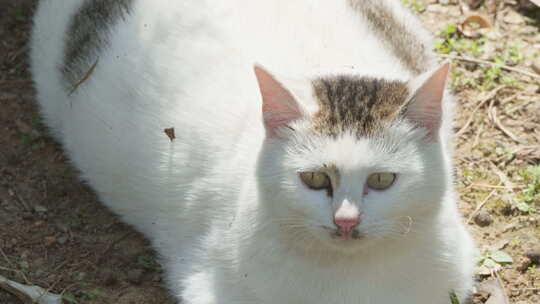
point(111, 245)
point(497, 186)
point(501, 285)
point(12, 265)
point(478, 106)
point(481, 205)
point(501, 127)
point(504, 67)
point(29, 294)
point(84, 78)
point(502, 176)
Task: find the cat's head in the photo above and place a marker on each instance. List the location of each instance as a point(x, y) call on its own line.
point(367, 165)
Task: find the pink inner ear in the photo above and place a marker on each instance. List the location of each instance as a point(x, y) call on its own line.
point(425, 108)
point(279, 105)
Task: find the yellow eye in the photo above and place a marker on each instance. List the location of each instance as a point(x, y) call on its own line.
point(315, 180)
point(381, 180)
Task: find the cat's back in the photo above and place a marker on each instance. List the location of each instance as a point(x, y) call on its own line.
point(174, 58)
point(112, 75)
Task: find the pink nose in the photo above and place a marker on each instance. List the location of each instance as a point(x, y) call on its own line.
point(346, 225)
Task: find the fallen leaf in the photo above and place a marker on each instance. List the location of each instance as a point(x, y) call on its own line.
point(501, 257)
point(170, 133)
point(29, 294)
point(488, 267)
point(474, 25)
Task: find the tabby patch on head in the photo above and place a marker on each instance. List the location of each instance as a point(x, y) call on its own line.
point(356, 104)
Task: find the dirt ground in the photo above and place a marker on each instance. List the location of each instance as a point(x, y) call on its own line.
point(54, 233)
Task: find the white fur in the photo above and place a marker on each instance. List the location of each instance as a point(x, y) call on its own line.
point(222, 203)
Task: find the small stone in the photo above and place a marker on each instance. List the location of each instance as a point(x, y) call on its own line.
point(24, 265)
point(27, 216)
point(109, 277)
point(39, 223)
point(471, 66)
point(507, 209)
point(437, 8)
point(483, 218)
point(40, 209)
point(22, 126)
point(510, 227)
point(531, 89)
point(536, 65)
point(50, 240)
point(533, 255)
point(135, 276)
point(523, 264)
point(513, 17)
point(62, 240)
point(474, 4)
point(62, 227)
point(81, 276)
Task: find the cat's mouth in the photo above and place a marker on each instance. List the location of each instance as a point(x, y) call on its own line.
point(336, 234)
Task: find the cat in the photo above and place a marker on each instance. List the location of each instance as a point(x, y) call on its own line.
point(311, 156)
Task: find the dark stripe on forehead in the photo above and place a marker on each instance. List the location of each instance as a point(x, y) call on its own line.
point(360, 105)
point(87, 35)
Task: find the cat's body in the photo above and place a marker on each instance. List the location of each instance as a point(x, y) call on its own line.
point(223, 202)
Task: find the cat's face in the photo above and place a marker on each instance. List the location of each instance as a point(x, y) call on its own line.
point(387, 181)
point(366, 167)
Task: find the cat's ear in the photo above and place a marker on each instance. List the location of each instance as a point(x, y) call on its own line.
point(425, 107)
point(279, 107)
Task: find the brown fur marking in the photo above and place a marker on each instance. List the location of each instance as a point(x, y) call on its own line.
point(356, 104)
point(403, 43)
point(87, 35)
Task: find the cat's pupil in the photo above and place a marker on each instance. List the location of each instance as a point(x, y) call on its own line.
point(317, 181)
point(381, 180)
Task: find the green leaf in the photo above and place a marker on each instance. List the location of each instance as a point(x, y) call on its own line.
point(524, 207)
point(453, 298)
point(501, 257)
point(69, 298)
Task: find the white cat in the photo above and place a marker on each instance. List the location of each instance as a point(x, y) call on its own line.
point(323, 177)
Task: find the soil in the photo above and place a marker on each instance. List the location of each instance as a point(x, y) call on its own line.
point(55, 234)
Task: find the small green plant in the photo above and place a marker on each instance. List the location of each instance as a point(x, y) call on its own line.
point(414, 5)
point(19, 14)
point(148, 263)
point(453, 298)
point(92, 294)
point(530, 196)
point(450, 41)
point(26, 139)
point(69, 298)
point(83, 295)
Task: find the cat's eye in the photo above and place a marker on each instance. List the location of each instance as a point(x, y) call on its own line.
point(316, 180)
point(381, 180)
